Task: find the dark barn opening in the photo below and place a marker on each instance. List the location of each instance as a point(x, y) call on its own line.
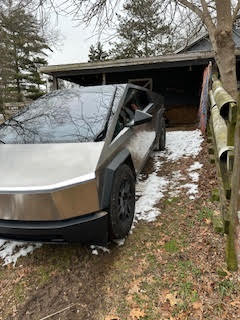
point(177, 77)
point(181, 88)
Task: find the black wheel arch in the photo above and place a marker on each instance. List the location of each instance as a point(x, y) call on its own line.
point(123, 157)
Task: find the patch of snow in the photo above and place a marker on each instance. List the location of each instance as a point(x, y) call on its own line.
point(157, 164)
point(148, 216)
point(195, 166)
point(119, 242)
point(10, 251)
point(194, 176)
point(192, 189)
point(104, 249)
point(177, 175)
point(174, 183)
point(152, 191)
point(181, 144)
point(95, 249)
point(174, 193)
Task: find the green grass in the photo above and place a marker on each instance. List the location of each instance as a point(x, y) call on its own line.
point(170, 201)
point(204, 214)
point(152, 259)
point(171, 246)
point(19, 292)
point(180, 307)
point(221, 273)
point(185, 289)
point(186, 267)
point(226, 287)
point(44, 275)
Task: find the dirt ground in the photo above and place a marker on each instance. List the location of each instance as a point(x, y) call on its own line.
point(172, 268)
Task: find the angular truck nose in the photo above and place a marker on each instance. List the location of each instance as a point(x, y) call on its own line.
point(62, 204)
point(48, 182)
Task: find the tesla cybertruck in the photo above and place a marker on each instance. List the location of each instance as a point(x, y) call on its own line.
point(69, 161)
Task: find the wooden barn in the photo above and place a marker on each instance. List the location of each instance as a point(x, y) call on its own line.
point(178, 77)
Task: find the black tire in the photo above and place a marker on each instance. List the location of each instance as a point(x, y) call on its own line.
point(161, 137)
point(122, 206)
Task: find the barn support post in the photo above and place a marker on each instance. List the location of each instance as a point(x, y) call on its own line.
point(104, 79)
point(55, 83)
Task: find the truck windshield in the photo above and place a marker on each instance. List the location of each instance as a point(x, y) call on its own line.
point(62, 116)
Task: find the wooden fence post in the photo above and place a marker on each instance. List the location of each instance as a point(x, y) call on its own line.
point(233, 238)
point(230, 171)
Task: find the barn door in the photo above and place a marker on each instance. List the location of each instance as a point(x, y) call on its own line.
point(146, 82)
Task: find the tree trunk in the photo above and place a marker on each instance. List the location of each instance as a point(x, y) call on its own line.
point(226, 61)
point(224, 47)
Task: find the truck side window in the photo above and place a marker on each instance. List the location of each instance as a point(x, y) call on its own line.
point(135, 100)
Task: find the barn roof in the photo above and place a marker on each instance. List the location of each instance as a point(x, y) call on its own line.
point(120, 65)
point(203, 43)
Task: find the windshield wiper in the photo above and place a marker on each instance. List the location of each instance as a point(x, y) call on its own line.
point(101, 136)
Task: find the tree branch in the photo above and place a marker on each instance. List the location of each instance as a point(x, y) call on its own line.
point(235, 12)
point(205, 8)
point(207, 19)
point(203, 14)
point(192, 7)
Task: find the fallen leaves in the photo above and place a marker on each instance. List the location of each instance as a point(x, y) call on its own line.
point(133, 290)
point(136, 314)
point(172, 298)
point(111, 318)
point(235, 303)
point(208, 221)
point(134, 287)
point(197, 305)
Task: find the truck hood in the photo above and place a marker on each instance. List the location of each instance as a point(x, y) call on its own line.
point(47, 167)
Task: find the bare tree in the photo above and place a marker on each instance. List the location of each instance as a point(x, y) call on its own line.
point(219, 18)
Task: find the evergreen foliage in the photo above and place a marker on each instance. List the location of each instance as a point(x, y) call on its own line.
point(141, 31)
point(96, 53)
point(22, 52)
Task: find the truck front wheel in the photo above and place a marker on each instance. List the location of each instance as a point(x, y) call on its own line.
point(122, 205)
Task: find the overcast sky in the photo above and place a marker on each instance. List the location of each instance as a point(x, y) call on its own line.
point(76, 41)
